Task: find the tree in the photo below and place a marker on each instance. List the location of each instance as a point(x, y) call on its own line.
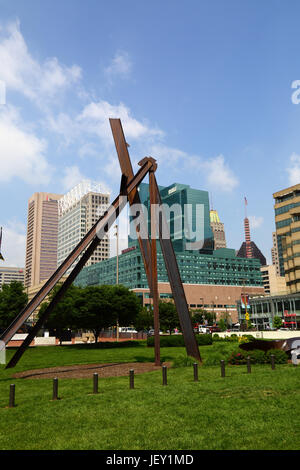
point(64, 315)
point(144, 319)
point(168, 317)
point(277, 322)
point(13, 299)
point(100, 307)
point(125, 304)
point(202, 316)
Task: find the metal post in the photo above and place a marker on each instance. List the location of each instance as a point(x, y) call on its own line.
point(164, 374)
point(248, 365)
point(12, 396)
point(273, 361)
point(55, 389)
point(154, 286)
point(195, 372)
point(222, 368)
point(131, 378)
point(95, 382)
point(117, 282)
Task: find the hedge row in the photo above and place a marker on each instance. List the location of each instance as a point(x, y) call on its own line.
point(178, 340)
point(257, 356)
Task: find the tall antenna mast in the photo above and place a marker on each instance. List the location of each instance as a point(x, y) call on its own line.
point(247, 233)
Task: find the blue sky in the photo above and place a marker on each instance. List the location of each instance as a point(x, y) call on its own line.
point(202, 86)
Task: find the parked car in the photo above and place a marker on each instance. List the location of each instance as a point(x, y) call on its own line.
point(151, 332)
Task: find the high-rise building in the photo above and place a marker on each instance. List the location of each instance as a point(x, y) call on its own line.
point(41, 242)
point(9, 274)
point(273, 284)
point(287, 221)
point(274, 253)
point(78, 211)
point(218, 230)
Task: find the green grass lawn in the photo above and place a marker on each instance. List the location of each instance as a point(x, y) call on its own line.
point(239, 412)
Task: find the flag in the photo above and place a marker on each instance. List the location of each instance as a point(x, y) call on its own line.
point(246, 202)
point(1, 257)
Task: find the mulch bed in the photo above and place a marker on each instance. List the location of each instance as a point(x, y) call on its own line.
point(82, 371)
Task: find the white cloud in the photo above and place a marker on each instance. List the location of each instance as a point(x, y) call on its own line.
point(22, 73)
point(294, 169)
point(219, 175)
point(119, 67)
point(255, 221)
point(72, 176)
point(95, 119)
point(13, 244)
point(22, 154)
point(215, 171)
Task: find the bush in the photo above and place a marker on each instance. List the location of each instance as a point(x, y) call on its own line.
point(258, 356)
point(280, 356)
point(228, 339)
point(177, 340)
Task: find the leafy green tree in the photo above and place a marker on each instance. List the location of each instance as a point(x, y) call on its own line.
point(202, 316)
point(13, 299)
point(99, 307)
point(168, 317)
point(64, 315)
point(277, 322)
point(125, 304)
point(222, 324)
point(144, 320)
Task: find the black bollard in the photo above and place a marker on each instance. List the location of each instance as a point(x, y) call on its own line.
point(12, 396)
point(248, 365)
point(95, 382)
point(195, 372)
point(164, 374)
point(273, 361)
point(222, 368)
point(55, 389)
point(131, 378)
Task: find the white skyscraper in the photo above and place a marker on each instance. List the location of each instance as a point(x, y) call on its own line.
point(78, 211)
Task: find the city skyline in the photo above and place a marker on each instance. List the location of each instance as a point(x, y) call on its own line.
point(209, 96)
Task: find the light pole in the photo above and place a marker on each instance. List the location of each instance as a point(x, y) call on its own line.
point(117, 280)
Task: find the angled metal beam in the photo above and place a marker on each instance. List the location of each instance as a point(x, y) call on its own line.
point(133, 198)
point(176, 285)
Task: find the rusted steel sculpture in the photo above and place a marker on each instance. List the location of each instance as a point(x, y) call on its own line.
point(86, 247)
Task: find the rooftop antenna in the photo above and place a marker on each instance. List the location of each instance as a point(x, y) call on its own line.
point(247, 233)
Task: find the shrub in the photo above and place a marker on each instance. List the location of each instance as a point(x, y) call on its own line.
point(237, 358)
point(178, 340)
point(279, 355)
point(258, 356)
point(227, 339)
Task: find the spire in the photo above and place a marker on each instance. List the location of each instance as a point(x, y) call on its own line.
point(249, 253)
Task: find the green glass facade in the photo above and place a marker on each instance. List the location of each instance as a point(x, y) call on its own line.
point(220, 268)
point(204, 266)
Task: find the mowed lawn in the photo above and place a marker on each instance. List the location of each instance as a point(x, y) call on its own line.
point(239, 412)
